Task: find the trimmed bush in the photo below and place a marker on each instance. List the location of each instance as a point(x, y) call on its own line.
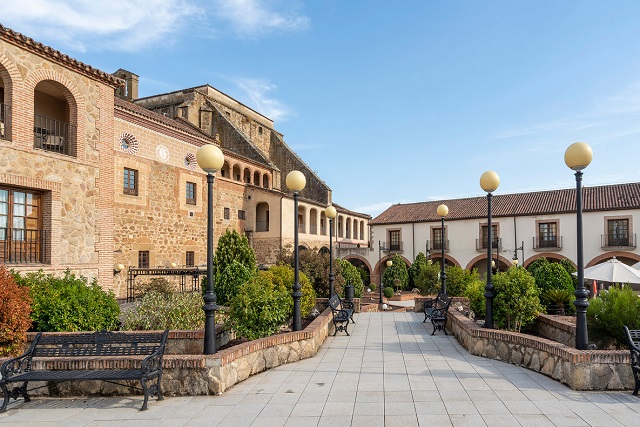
point(229, 281)
point(617, 306)
point(351, 276)
point(260, 308)
point(427, 278)
point(414, 271)
point(282, 278)
point(70, 304)
point(372, 286)
point(554, 276)
point(475, 292)
point(388, 292)
point(517, 302)
point(159, 310)
point(15, 310)
point(459, 279)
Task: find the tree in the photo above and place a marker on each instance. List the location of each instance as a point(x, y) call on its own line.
point(517, 303)
point(427, 278)
point(552, 275)
point(352, 277)
point(398, 270)
point(315, 265)
point(234, 263)
point(459, 279)
point(418, 264)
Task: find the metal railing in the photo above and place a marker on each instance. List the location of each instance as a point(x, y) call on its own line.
point(52, 135)
point(392, 248)
point(481, 244)
point(437, 246)
point(344, 249)
point(23, 246)
point(313, 229)
point(5, 116)
point(611, 241)
point(301, 227)
point(323, 230)
point(547, 244)
point(262, 226)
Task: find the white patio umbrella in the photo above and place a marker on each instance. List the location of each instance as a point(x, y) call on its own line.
point(636, 266)
point(612, 271)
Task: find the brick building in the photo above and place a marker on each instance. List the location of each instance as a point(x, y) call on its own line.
point(92, 177)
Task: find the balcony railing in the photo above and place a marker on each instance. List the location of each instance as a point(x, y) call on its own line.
point(549, 244)
point(301, 227)
point(392, 248)
point(5, 116)
point(323, 230)
point(344, 249)
point(262, 226)
point(611, 241)
point(481, 244)
point(52, 135)
point(313, 229)
point(23, 246)
point(435, 246)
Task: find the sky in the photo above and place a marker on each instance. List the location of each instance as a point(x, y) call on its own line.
point(389, 102)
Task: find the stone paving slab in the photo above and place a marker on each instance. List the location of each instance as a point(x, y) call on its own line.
point(389, 372)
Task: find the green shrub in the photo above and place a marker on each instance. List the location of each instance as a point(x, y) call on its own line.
point(517, 303)
point(15, 310)
point(315, 266)
point(156, 284)
point(475, 293)
point(372, 286)
point(388, 292)
point(282, 278)
point(69, 303)
point(554, 276)
point(414, 271)
point(229, 281)
point(364, 275)
point(260, 308)
point(535, 265)
point(458, 279)
point(160, 310)
point(427, 279)
point(398, 270)
point(351, 276)
point(606, 314)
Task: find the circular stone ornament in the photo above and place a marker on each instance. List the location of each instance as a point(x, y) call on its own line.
point(162, 152)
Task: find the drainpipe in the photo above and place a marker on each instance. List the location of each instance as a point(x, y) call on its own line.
point(413, 240)
point(281, 247)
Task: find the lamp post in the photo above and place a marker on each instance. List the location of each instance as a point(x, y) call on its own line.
point(330, 213)
point(489, 181)
point(577, 157)
point(443, 210)
point(210, 159)
point(514, 261)
point(380, 249)
point(296, 182)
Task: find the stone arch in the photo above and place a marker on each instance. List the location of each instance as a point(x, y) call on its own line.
point(547, 255)
point(324, 250)
point(262, 216)
point(235, 173)
point(10, 80)
point(73, 98)
point(246, 176)
point(384, 259)
point(225, 172)
point(256, 178)
point(359, 258)
point(501, 259)
point(265, 181)
point(449, 260)
point(609, 255)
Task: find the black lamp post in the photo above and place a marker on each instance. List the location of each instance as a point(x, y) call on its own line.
point(330, 213)
point(296, 182)
point(514, 261)
point(210, 159)
point(389, 263)
point(489, 181)
point(577, 157)
point(443, 210)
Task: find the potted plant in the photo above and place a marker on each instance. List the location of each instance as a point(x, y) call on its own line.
point(556, 299)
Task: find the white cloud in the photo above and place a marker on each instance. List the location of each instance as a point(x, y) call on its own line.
point(83, 24)
point(249, 18)
point(258, 91)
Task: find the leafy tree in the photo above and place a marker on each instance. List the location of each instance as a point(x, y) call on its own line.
point(475, 292)
point(517, 303)
point(282, 278)
point(351, 276)
point(606, 315)
point(535, 265)
point(315, 266)
point(458, 279)
point(414, 271)
point(552, 275)
point(234, 263)
point(15, 310)
point(568, 265)
point(398, 270)
point(427, 280)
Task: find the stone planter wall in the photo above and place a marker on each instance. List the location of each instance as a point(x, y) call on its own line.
point(579, 369)
point(557, 328)
point(197, 374)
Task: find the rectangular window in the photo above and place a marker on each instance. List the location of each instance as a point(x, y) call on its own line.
point(227, 213)
point(494, 236)
point(143, 259)
point(190, 259)
point(241, 214)
point(394, 240)
point(22, 239)
point(191, 193)
point(130, 184)
point(618, 232)
point(548, 232)
point(437, 239)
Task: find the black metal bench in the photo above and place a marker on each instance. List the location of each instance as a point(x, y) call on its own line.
point(88, 346)
point(341, 314)
point(436, 310)
point(633, 340)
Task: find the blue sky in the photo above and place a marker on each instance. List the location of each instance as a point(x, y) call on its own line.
point(389, 102)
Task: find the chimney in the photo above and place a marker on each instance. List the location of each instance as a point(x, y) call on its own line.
point(130, 90)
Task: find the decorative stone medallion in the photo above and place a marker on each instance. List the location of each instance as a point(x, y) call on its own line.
point(190, 161)
point(128, 143)
point(162, 152)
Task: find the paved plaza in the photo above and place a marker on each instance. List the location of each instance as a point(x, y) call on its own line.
point(389, 372)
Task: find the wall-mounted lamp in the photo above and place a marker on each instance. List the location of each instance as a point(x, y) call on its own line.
point(173, 265)
point(118, 268)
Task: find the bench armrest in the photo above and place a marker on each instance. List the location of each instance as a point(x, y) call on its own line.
point(153, 362)
point(440, 312)
point(20, 364)
point(347, 304)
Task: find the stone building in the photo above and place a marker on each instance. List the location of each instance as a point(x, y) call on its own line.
point(92, 177)
point(525, 227)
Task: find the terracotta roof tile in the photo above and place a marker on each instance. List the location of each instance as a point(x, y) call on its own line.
point(602, 198)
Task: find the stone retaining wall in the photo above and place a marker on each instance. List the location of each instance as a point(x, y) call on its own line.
point(197, 374)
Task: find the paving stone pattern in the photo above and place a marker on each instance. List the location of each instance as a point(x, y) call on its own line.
point(390, 372)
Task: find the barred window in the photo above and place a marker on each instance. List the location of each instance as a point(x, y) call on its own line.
point(143, 259)
point(190, 259)
point(241, 214)
point(191, 193)
point(130, 184)
point(227, 213)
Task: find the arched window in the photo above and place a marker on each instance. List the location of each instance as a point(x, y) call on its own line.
point(247, 176)
point(362, 231)
point(5, 104)
point(236, 173)
point(340, 221)
point(323, 223)
point(302, 226)
point(355, 228)
point(265, 181)
point(225, 172)
point(347, 230)
point(262, 216)
point(256, 178)
point(53, 130)
point(313, 221)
